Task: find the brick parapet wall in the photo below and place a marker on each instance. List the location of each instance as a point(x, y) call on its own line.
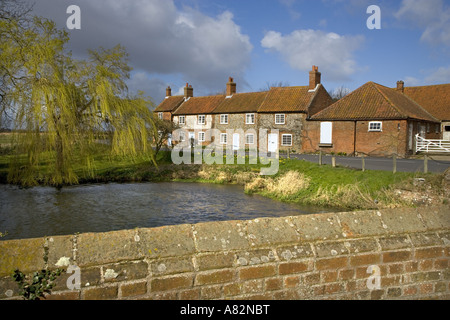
point(324, 256)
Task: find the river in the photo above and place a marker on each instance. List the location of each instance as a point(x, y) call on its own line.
point(46, 211)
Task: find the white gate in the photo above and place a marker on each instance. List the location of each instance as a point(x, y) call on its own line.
point(433, 146)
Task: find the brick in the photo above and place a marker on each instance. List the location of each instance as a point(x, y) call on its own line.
point(292, 267)
point(331, 263)
point(396, 268)
point(425, 240)
point(410, 291)
point(329, 249)
point(394, 292)
point(68, 295)
point(429, 253)
point(101, 293)
point(125, 271)
point(426, 276)
point(411, 266)
point(191, 294)
point(376, 294)
point(328, 289)
point(257, 272)
point(426, 288)
point(162, 267)
point(255, 257)
point(441, 264)
point(220, 276)
point(394, 243)
point(365, 259)
point(346, 274)
point(213, 292)
point(329, 276)
point(426, 265)
point(232, 289)
point(273, 284)
point(172, 283)
point(361, 245)
point(133, 289)
point(291, 281)
point(440, 287)
point(313, 278)
point(252, 286)
point(294, 252)
point(395, 256)
point(215, 261)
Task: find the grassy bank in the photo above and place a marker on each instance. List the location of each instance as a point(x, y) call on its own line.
point(296, 181)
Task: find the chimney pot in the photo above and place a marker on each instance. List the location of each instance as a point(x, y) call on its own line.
point(400, 86)
point(314, 78)
point(188, 91)
point(231, 87)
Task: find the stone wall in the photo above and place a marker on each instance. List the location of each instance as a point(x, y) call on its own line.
point(303, 257)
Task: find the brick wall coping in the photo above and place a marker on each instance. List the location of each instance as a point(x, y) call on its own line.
point(90, 249)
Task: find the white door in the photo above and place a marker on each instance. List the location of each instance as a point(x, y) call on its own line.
point(272, 142)
point(236, 141)
point(169, 140)
point(326, 132)
point(191, 138)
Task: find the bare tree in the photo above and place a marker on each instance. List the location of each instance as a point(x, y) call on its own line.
point(339, 93)
point(275, 84)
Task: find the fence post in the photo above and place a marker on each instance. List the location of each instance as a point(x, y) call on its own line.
point(425, 164)
point(289, 153)
point(333, 161)
point(363, 160)
point(320, 157)
point(394, 170)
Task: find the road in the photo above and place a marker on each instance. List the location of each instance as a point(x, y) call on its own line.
point(384, 164)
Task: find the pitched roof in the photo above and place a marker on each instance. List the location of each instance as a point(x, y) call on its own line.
point(200, 105)
point(373, 101)
point(241, 102)
point(170, 104)
point(435, 99)
point(287, 99)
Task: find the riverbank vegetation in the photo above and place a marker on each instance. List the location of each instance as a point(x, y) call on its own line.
point(297, 181)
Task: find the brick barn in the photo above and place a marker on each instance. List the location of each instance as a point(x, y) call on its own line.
point(373, 120)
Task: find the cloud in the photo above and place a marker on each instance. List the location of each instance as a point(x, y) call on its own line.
point(441, 75)
point(433, 16)
point(160, 38)
point(332, 52)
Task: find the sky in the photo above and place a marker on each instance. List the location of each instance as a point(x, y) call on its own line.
point(263, 42)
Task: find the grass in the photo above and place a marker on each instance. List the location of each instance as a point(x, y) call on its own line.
point(297, 181)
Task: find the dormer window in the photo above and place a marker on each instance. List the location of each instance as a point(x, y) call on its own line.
point(201, 119)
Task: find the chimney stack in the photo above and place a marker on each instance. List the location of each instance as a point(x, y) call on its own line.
point(400, 86)
point(314, 78)
point(231, 87)
point(188, 91)
point(168, 92)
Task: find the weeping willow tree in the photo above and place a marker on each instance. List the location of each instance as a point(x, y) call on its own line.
point(64, 109)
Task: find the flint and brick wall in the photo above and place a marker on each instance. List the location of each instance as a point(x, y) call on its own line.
point(324, 256)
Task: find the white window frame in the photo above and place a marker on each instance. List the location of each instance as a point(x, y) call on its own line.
point(282, 140)
point(224, 119)
point(223, 138)
point(247, 136)
point(279, 115)
point(201, 136)
point(252, 117)
point(201, 116)
point(160, 115)
point(373, 126)
point(181, 122)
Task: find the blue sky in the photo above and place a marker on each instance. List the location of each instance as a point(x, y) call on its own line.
point(257, 42)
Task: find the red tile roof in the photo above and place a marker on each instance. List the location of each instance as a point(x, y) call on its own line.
point(287, 99)
point(170, 104)
point(435, 99)
point(242, 102)
point(373, 101)
point(200, 105)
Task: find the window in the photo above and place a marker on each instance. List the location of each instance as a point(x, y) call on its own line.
point(250, 138)
point(375, 126)
point(447, 128)
point(280, 118)
point(223, 119)
point(250, 118)
point(286, 140)
point(201, 119)
point(223, 138)
point(182, 119)
point(160, 115)
point(201, 137)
